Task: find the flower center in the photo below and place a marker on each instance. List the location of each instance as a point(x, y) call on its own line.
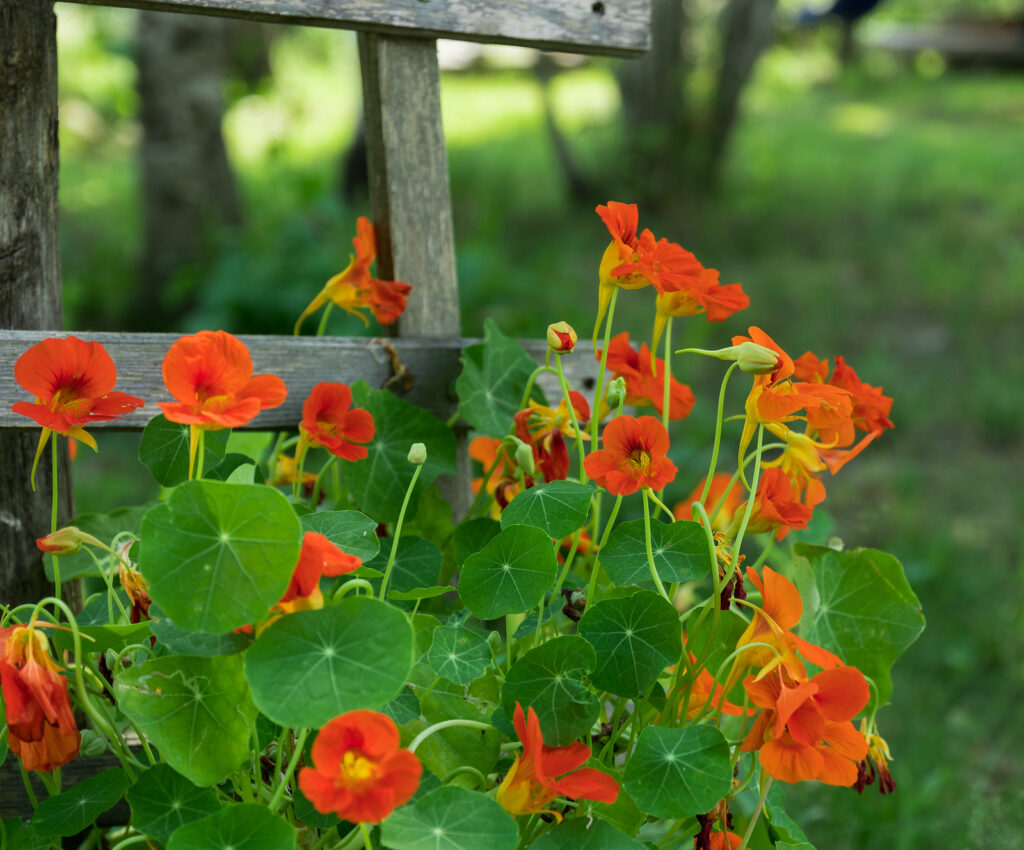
point(357, 771)
point(639, 459)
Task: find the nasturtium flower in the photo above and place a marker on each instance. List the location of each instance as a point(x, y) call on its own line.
point(41, 727)
point(137, 589)
point(72, 381)
point(701, 293)
point(503, 481)
point(546, 430)
point(634, 456)
point(532, 782)
point(561, 337)
point(720, 482)
point(777, 506)
point(644, 385)
point(718, 841)
point(876, 760)
point(66, 541)
point(210, 375)
point(318, 558)
point(355, 290)
point(359, 771)
point(327, 422)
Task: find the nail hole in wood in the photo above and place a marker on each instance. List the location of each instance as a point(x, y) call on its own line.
point(597, 8)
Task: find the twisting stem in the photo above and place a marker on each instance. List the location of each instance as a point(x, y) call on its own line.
point(572, 415)
point(276, 800)
point(718, 433)
point(757, 814)
point(650, 551)
point(398, 531)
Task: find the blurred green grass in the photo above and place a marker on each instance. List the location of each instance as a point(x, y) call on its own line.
point(874, 213)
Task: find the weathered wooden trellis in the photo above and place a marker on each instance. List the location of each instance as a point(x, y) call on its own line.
point(410, 203)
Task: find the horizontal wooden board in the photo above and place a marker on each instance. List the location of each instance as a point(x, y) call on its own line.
point(612, 27)
point(301, 362)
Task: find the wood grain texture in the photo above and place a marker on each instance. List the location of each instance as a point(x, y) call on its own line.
point(29, 273)
point(611, 27)
point(300, 361)
point(408, 175)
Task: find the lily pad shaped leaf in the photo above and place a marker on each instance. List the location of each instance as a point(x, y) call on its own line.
point(450, 818)
point(586, 834)
point(164, 449)
point(558, 508)
point(311, 666)
point(350, 531)
point(197, 711)
point(459, 655)
point(510, 574)
point(549, 679)
point(635, 638)
point(866, 612)
point(679, 773)
point(162, 800)
point(71, 812)
point(680, 552)
point(246, 826)
point(217, 556)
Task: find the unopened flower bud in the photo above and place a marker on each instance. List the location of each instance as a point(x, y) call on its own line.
point(66, 541)
point(418, 454)
point(524, 458)
point(561, 337)
point(616, 394)
point(756, 359)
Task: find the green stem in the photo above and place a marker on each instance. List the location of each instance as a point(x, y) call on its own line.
point(446, 724)
point(315, 499)
point(199, 454)
point(293, 762)
point(508, 641)
point(599, 388)
point(764, 554)
point(398, 531)
point(738, 543)
point(367, 838)
point(718, 434)
point(650, 551)
point(757, 813)
point(112, 597)
point(482, 492)
point(540, 370)
point(193, 444)
point(450, 422)
point(660, 504)
point(322, 327)
point(29, 790)
point(668, 373)
point(592, 586)
point(572, 415)
point(53, 518)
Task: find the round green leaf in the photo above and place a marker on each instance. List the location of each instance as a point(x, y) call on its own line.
point(585, 834)
point(680, 552)
point(558, 508)
point(510, 574)
point(246, 826)
point(217, 556)
point(635, 638)
point(450, 818)
point(459, 655)
point(197, 711)
point(678, 773)
point(350, 531)
point(549, 679)
point(314, 665)
point(164, 449)
point(81, 804)
point(162, 800)
point(472, 535)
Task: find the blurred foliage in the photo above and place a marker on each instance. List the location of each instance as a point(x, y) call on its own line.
point(871, 213)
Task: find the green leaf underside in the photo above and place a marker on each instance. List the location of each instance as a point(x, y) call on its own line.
point(181, 642)
point(217, 556)
point(164, 449)
point(73, 811)
point(162, 800)
point(583, 834)
point(311, 666)
point(549, 679)
point(103, 527)
point(459, 655)
point(451, 818)
point(378, 483)
point(680, 552)
point(678, 773)
point(246, 826)
point(866, 612)
point(635, 638)
point(103, 638)
point(558, 508)
point(490, 387)
point(350, 531)
point(197, 711)
point(510, 574)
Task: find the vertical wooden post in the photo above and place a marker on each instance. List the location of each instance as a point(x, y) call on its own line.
point(29, 272)
point(410, 195)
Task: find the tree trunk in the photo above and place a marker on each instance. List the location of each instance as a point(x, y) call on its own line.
point(29, 275)
point(188, 189)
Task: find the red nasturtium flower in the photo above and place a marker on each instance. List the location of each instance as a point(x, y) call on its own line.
point(210, 375)
point(328, 423)
point(532, 782)
point(356, 290)
point(701, 294)
point(633, 456)
point(777, 506)
point(719, 482)
point(72, 381)
point(358, 771)
point(546, 430)
point(644, 385)
point(41, 726)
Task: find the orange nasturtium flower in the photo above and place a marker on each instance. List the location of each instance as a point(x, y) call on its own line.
point(719, 482)
point(777, 506)
point(644, 385)
point(701, 294)
point(41, 728)
point(356, 290)
point(532, 782)
point(633, 456)
point(546, 430)
point(328, 423)
point(72, 381)
point(359, 772)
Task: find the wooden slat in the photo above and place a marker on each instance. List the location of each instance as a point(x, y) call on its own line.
point(611, 27)
point(300, 361)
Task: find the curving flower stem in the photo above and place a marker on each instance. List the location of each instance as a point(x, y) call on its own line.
point(738, 542)
point(660, 504)
point(668, 373)
point(572, 415)
point(718, 434)
point(293, 762)
point(599, 388)
point(398, 531)
point(536, 373)
point(322, 327)
point(650, 551)
point(53, 521)
point(757, 814)
point(592, 586)
point(446, 724)
point(315, 498)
